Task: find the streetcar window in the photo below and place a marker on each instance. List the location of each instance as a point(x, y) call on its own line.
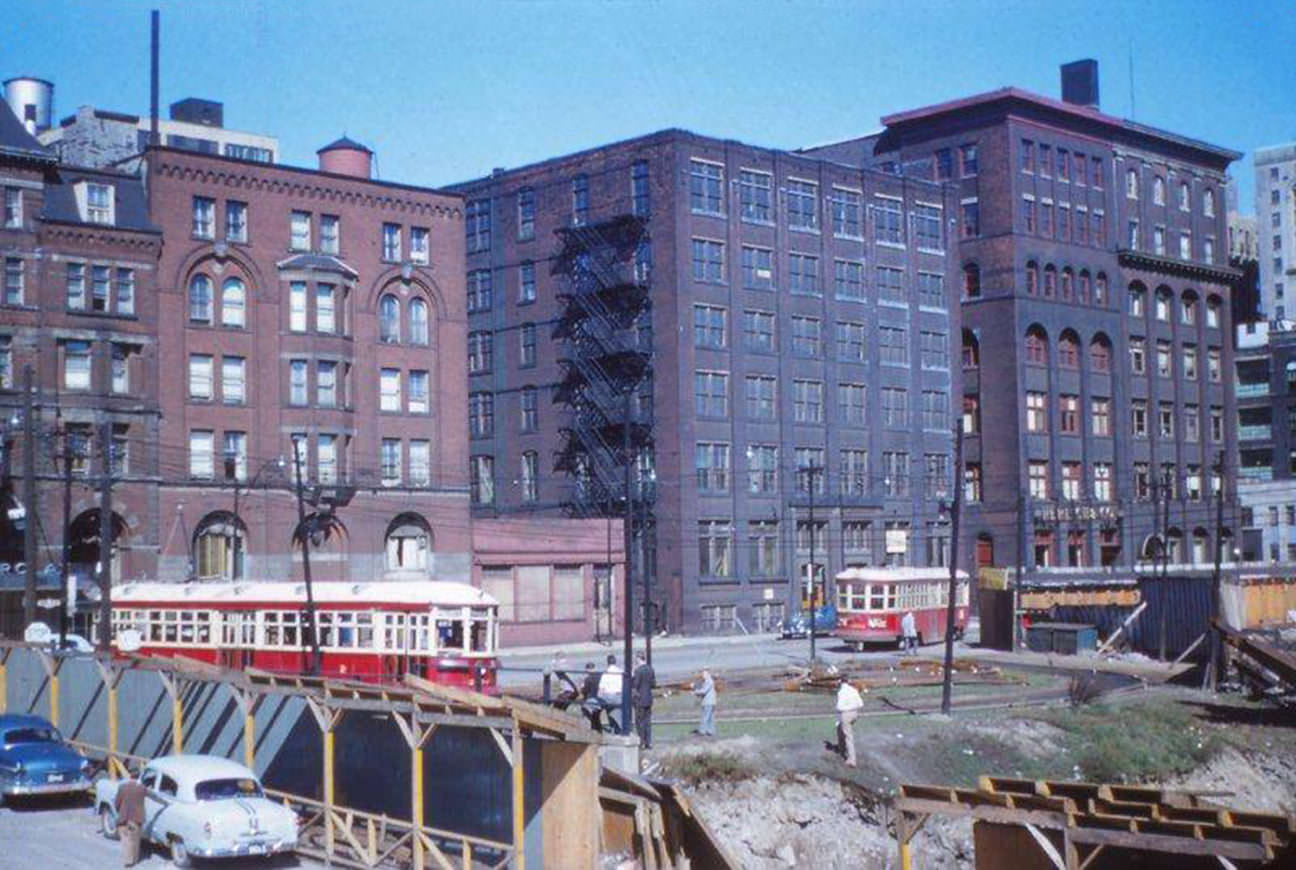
point(480, 633)
point(204, 627)
point(289, 628)
point(890, 590)
point(396, 631)
point(419, 631)
point(154, 633)
point(450, 634)
point(186, 626)
point(843, 597)
point(365, 635)
point(324, 628)
point(346, 629)
point(876, 596)
point(271, 620)
point(170, 629)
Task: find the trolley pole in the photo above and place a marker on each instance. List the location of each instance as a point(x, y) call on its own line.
point(627, 711)
point(1165, 561)
point(105, 540)
point(29, 498)
point(1213, 667)
point(67, 537)
point(312, 639)
point(812, 473)
point(946, 683)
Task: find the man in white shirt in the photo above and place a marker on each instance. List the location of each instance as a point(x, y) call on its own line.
point(909, 629)
point(610, 684)
point(849, 703)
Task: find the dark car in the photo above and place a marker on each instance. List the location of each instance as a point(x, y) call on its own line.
point(35, 759)
point(798, 625)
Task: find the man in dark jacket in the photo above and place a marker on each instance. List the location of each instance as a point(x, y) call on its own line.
point(129, 807)
point(641, 686)
point(589, 693)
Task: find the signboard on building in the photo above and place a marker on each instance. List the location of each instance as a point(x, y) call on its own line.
point(897, 541)
point(1074, 512)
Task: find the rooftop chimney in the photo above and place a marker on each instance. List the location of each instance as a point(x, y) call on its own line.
point(346, 157)
point(1080, 83)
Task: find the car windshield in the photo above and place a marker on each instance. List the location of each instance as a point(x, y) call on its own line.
point(30, 735)
point(220, 789)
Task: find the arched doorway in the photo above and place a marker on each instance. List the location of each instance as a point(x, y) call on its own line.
point(83, 540)
point(407, 544)
point(219, 547)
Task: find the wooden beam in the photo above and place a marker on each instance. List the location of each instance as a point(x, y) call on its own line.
point(1097, 850)
point(519, 800)
point(503, 746)
point(1129, 620)
point(1192, 646)
point(1046, 846)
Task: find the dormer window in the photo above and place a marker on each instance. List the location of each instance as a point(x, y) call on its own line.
point(96, 202)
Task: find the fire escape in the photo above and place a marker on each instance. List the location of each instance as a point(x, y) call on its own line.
point(606, 361)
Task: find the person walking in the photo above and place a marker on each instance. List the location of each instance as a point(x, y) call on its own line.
point(590, 697)
point(849, 703)
point(129, 807)
point(705, 689)
point(909, 629)
point(609, 690)
point(642, 682)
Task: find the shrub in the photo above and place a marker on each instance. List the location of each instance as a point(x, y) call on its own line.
point(699, 767)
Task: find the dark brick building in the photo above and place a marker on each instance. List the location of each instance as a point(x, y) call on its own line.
point(1096, 324)
point(798, 316)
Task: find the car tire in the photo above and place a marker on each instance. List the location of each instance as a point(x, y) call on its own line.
point(180, 853)
point(108, 822)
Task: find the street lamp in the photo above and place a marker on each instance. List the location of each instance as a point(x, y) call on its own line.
point(231, 472)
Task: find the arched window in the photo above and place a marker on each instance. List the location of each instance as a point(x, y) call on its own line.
point(1068, 283)
point(1188, 308)
point(971, 350)
point(1213, 304)
point(1137, 300)
point(1185, 196)
point(1208, 203)
point(1158, 191)
point(233, 303)
point(218, 547)
point(1174, 546)
point(1050, 281)
point(1151, 548)
point(971, 281)
point(1100, 354)
point(1068, 350)
point(1164, 301)
point(1082, 287)
point(407, 543)
point(1200, 543)
point(389, 319)
point(1037, 346)
point(200, 299)
point(418, 321)
point(1032, 278)
point(1132, 183)
point(1100, 290)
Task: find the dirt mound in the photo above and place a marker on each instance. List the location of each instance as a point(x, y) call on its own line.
point(1262, 784)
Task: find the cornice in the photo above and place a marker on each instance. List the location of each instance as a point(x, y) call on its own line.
point(1182, 268)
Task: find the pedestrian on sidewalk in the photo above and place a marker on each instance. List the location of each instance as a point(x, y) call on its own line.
point(609, 691)
point(642, 683)
point(590, 697)
point(129, 806)
point(909, 630)
point(705, 689)
point(849, 703)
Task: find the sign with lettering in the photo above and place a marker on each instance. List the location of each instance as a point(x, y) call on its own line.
point(1075, 512)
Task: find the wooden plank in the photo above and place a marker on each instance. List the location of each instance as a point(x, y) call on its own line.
point(1172, 845)
point(1278, 824)
point(930, 792)
point(1006, 785)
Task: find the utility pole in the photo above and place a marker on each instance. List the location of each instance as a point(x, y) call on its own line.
point(946, 684)
point(105, 540)
point(812, 472)
point(1021, 568)
point(627, 712)
point(67, 537)
point(643, 575)
point(312, 639)
point(1165, 559)
point(1212, 668)
point(29, 498)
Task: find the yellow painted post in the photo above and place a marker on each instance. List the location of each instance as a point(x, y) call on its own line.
point(519, 805)
point(177, 721)
point(249, 739)
point(906, 857)
point(903, 836)
point(112, 721)
point(4, 684)
point(54, 696)
point(328, 791)
point(416, 802)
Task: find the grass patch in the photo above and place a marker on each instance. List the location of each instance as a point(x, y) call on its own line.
point(1134, 742)
point(706, 766)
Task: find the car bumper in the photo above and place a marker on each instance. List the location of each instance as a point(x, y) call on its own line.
point(20, 789)
point(252, 848)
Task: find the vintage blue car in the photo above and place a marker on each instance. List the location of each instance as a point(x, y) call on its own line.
point(798, 625)
point(35, 759)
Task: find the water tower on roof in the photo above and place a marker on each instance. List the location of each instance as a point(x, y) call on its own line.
point(32, 100)
point(346, 156)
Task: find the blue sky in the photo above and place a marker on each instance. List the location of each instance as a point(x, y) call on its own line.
point(445, 91)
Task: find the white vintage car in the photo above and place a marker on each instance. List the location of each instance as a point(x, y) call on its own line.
point(204, 806)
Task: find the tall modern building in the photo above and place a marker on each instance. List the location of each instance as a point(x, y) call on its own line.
point(1275, 210)
point(763, 336)
point(1266, 400)
point(1096, 325)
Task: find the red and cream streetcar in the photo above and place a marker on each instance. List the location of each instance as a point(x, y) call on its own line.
point(375, 632)
point(872, 601)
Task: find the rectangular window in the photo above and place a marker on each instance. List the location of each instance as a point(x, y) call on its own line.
point(1072, 481)
point(1139, 418)
point(330, 232)
point(1100, 417)
point(763, 543)
point(326, 458)
point(934, 350)
point(811, 471)
point(1142, 481)
point(762, 469)
point(297, 382)
point(714, 545)
point(755, 196)
point(580, 200)
point(13, 213)
point(1026, 155)
point(527, 345)
point(890, 285)
point(888, 221)
point(706, 187)
point(233, 380)
point(200, 376)
point(852, 341)
point(1069, 414)
point(391, 243)
point(971, 415)
point(234, 456)
point(1165, 420)
point(204, 217)
point(708, 261)
point(326, 308)
point(15, 283)
point(1037, 479)
point(1185, 246)
point(927, 227)
point(100, 286)
point(481, 351)
point(936, 475)
point(1190, 362)
point(125, 301)
point(935, 410)
point(847, 214)
point(807, 401)
point(1191, 423)
point(848, 279)
point(477, 225)
point(419, 247)
point(1163, 359)
point(297, 306)
point(299, 231)
point(530, 476)
point(529, 408)
point(803, 274)
point(121, 368)
point(895, 471)
point(526, 283)
point(526, 210)
point(711, 462)
point(971, 213)
point(807, 336)
point(758, 268)
point(711, 394)
point(762, 393)
point(389, 390)
point(480, 291)
point(481, 415)
point(802, 205)
point(418, 391)
point(972, 481)
point(758, 331)
point(201, 458)
point(640, 197)
point(852, 403)
point(968, 159)
point(390, 461)
point(893, 345)
point(1158, 241)
point(895, 407)
point(235, 221)
point(853, 479)
point(931, 290)
point(1036, 412)
point(1028, 214)
point(943, 164)
point(1217, 423)
point(710, 326)
point(1045, 164)
point(1138, 356)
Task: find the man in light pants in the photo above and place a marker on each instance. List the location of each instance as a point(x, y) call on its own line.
point(705, 690)
point(849, 703)
point(909, 628)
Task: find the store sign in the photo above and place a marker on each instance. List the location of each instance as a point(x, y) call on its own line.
point(1072, 512)
point(897, 540)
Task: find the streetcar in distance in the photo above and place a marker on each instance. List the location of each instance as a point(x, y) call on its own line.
point(871, 602)
point(375, 632)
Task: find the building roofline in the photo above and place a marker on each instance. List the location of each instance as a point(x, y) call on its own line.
point(1019, 95)
point(146, 231)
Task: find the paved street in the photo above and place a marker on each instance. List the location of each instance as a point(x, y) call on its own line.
point(64, 835)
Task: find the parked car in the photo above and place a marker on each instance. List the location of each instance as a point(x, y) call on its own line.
point(203, 806)
point(798, 625)
point(35, 759)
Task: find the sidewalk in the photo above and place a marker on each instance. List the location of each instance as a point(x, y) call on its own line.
point(616, 645)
